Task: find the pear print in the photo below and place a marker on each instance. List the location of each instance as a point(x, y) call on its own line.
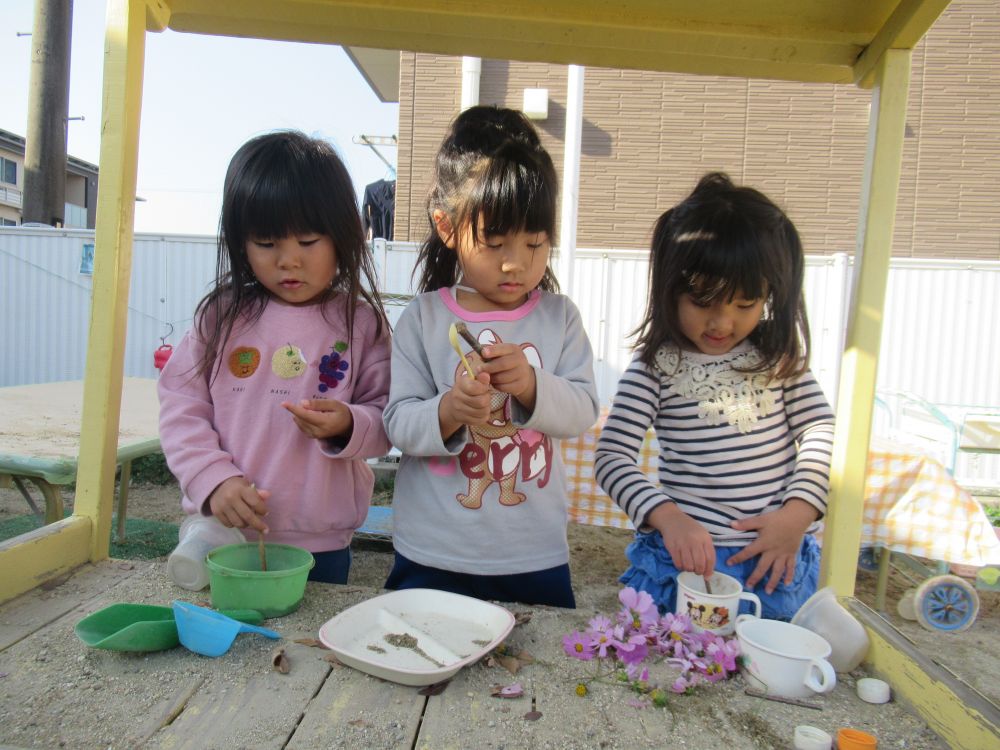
point(288, 362)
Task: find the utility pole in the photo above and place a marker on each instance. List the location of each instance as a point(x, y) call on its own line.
point(48, 110)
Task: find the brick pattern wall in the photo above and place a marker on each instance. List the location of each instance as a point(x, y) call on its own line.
point(647, 137)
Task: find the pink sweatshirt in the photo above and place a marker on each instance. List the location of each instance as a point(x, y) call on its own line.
point(235, 425)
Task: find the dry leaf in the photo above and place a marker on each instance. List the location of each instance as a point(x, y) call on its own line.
point(332, 658)
point(436, 689)
point(312, 642)
point(510, 663)
point(522, 618)
point(357, 723)
point(533, 715)
point(279, 660)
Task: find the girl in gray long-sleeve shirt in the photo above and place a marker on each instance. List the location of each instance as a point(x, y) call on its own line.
point(480, 500)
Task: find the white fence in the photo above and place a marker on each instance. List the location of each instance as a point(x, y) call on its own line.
point(940, 332)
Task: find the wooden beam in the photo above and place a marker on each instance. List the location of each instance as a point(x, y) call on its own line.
point(31, 559)
point(859, 367)
point(961, 715)
point(102, 389)
point(903, 29)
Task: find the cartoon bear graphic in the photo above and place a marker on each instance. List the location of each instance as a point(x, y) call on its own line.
point(500, 453)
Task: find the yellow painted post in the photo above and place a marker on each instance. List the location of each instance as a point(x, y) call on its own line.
point(123, 66)
point(864, 327)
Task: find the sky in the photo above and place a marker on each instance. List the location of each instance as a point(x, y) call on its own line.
point(202, 98)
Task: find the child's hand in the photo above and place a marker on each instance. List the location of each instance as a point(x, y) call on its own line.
point(321, 418)
point(779, 537)
point(467, 403)
point(687, 541)
point(237, 503)
point(510, 372)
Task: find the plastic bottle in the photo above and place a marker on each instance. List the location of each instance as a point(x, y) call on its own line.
point(198, 535)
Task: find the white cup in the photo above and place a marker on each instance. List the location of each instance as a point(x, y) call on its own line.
point(825, 616)
point(198, 535)
point(715, 612)
point(784, 659)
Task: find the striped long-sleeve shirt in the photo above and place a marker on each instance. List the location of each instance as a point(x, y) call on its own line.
point(732, 445)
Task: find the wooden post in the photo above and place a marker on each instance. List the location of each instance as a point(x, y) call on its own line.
point(864, 326)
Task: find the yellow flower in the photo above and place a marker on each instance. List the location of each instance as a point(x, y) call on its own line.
point(581, 689)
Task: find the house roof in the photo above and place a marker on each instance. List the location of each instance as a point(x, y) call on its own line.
point(799, 40)
point(16, 143)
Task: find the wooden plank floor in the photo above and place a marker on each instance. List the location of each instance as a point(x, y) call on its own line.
point(56, 692)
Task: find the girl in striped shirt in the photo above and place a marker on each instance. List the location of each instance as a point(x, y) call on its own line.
point(721, 375)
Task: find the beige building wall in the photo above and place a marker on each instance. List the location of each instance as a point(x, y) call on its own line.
point(647, 137)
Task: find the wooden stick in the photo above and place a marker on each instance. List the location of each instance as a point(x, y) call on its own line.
point(466, 334)
point(780, 699)
point(260, 543)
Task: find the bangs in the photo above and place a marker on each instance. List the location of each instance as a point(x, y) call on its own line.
point(505, 196)
point(720, 265)
point(278, 204)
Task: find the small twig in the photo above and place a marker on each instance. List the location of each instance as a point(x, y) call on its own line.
point(780, 699)
point(466, 334)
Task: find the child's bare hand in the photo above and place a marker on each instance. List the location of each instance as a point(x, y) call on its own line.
point(321, 418)
point(779, 537)
point(467, 403)
point(237, 503)
point(510, 372)
point(687, 541)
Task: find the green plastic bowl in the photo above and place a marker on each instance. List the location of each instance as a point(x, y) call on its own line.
point(237, 582)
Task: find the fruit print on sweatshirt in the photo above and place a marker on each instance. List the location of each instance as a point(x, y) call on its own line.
point(333, 367)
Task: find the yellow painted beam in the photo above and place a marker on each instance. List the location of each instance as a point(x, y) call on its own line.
point(645, 36)
point(157, 15)
point(859, 367)
point(123, 68)
point(32, 559)
point(905, 27)
point(957, 712)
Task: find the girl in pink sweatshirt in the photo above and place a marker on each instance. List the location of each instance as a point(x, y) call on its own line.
point(273, 400)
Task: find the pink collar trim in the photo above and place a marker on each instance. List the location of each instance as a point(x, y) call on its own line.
point(448, 298)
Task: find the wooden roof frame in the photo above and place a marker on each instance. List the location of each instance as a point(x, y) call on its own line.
point(861, 42)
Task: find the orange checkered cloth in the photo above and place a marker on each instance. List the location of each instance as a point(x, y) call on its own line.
point(913, 505)
point(588, 503)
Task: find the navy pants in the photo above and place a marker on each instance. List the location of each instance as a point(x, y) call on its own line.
point(550, 586)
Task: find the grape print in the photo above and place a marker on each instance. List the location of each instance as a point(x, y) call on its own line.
point(333, 367)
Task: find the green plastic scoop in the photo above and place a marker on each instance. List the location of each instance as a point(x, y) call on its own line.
point(140, 627)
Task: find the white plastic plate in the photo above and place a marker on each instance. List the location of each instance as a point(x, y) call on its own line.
point(416, 636)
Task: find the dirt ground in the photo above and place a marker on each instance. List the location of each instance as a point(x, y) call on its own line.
point(597, 558)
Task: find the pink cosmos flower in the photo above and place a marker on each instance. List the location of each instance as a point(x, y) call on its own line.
point(638, 609)
point(579, 646)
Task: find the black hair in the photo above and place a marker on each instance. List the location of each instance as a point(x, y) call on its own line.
point(279, 184)
point(491, 172)
point(719, 241)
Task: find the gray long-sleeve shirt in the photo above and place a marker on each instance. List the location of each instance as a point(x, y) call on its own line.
point(492, 499)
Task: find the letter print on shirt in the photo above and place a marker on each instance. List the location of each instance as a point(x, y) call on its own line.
point(499, 452)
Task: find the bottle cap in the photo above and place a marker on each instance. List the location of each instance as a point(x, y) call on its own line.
point(871, 690)
point(812, 738)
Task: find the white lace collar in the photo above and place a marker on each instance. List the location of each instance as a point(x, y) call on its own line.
point(717, 385)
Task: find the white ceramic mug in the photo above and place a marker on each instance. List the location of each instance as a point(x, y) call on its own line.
point(715, 612)
point(784, 659)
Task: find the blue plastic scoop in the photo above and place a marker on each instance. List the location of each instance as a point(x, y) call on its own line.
point(208, 632)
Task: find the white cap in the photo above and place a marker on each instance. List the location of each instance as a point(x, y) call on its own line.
point(811, 738)
point(871, 690)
